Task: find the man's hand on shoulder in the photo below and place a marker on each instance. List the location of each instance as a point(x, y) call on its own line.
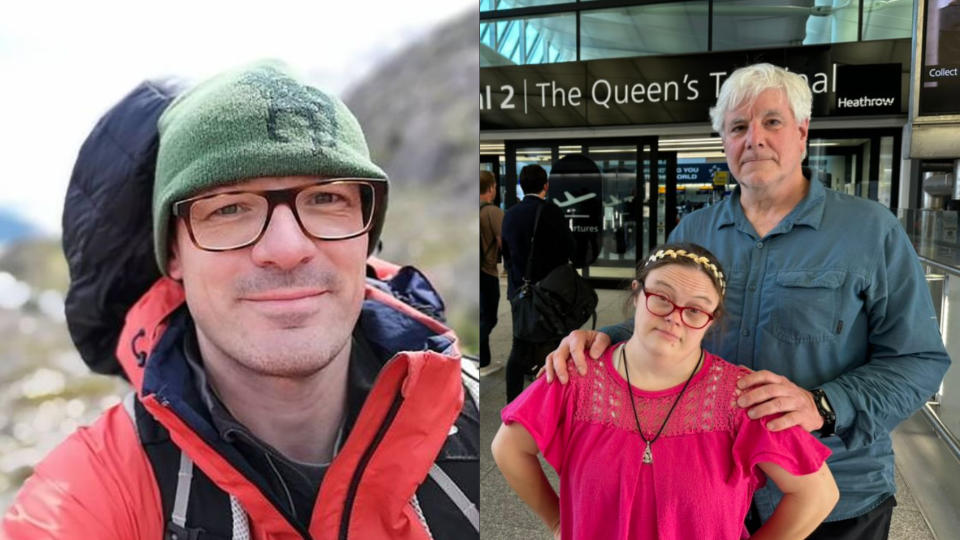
point(574, 345)
point(764, 393)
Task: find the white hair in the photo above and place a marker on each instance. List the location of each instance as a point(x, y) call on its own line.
point(746, 83)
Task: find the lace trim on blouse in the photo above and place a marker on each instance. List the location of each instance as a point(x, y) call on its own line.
point(708, 405)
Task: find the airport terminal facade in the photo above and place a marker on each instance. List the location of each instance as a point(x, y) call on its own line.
point(629, 86)
point(611, 97)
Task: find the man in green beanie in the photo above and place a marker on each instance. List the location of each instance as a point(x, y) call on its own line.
point(280, 391)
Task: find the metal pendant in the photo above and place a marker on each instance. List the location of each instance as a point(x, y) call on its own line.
point(648, 455)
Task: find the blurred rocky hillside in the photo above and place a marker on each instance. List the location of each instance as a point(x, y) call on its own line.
point(420, 118)
point(46, 391)
point(421, 122)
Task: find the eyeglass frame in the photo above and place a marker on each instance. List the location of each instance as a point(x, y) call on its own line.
point(287, 196)
point(646, 303)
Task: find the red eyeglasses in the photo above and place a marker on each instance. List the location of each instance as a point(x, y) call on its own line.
point(661, 306)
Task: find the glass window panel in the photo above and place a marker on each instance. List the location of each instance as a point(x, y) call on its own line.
point(488, 33)
point(750, 24)
point(496, 5)
point(883, 19)
point(834, 22)
point(678, 27)
point(868, 174)
point(886, 171)
point(661, 188)
point(618, 239)
point(838, 163)
point(532, 156)
point(533, 40)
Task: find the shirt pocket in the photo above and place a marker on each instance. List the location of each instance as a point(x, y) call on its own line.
point(807, 305)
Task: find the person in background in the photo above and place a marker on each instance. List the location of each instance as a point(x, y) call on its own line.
point(827, 302)
point(649, 443)
point(553, 246)
point(491, 221)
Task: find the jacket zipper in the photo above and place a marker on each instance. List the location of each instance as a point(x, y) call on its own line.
point(362, 465)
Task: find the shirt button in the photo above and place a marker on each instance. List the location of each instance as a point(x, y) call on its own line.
point(745, 332)
point(753, 287)
point(759, 245)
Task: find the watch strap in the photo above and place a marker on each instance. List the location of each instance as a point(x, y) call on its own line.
point(826, 412)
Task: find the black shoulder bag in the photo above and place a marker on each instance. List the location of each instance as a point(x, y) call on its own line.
point(552, 307)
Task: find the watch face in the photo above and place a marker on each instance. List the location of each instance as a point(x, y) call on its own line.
point(824, 403)
point(820, 399)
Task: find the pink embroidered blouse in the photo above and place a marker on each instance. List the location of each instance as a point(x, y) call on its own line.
point(704, 469)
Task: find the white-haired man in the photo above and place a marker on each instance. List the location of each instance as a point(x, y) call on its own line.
point(826, 298)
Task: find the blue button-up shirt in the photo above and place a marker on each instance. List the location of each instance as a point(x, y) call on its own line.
point(834, 298)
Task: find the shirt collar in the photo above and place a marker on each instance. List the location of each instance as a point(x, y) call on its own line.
point(809, 211)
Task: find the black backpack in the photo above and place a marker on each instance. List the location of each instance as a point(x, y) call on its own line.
point(107, 230)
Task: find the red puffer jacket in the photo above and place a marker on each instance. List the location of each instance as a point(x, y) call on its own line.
point(99, 482)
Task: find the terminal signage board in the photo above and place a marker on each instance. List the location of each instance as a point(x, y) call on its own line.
point(940, 71)
point(868, 89)
point(575, 188)
point(674, 89)
point(697, 173)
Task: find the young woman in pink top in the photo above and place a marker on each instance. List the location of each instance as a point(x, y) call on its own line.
point(667, 455)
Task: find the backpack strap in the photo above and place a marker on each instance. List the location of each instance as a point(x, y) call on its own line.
point(178, 516)
point(194, 508)
point(456, 495)
point(533, 237)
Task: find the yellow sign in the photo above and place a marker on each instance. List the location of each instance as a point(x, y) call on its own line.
point(721, 178)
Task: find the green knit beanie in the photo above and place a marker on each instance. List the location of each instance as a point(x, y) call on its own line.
point(249, 123)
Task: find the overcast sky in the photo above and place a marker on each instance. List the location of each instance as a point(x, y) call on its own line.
point(63, 64)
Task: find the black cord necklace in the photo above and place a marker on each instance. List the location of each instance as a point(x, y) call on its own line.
point(647, 454)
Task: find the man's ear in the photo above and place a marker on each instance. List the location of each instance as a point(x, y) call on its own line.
point(174, 264)
point(804, 128)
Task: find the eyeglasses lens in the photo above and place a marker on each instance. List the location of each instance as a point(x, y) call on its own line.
point(661, 306)
point(327, 211)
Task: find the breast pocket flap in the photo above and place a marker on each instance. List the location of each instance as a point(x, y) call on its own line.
point(807, 279)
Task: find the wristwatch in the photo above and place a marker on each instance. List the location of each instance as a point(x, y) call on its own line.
point(826, 412)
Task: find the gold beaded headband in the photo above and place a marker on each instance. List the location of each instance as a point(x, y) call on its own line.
point(703, 261)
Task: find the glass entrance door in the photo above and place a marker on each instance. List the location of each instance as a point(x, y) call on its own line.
point(619, 195)
point(612, 199)
point(662, 199)
point(860, 163)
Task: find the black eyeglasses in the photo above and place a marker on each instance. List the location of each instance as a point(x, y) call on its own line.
point(335, 209)
point(661, 306)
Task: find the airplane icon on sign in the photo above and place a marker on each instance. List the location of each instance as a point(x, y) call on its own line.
point(571, 200)
point(614, 200)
